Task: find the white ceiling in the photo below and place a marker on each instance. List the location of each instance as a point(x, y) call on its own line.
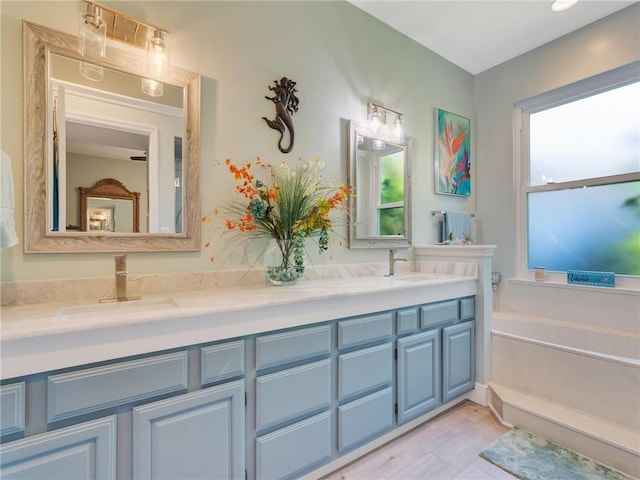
point(479, 34)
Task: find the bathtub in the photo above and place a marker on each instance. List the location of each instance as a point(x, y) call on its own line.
point(598, 342)
point(595, 370)
point(576, 385)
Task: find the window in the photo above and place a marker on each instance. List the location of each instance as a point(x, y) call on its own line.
point(579, 175)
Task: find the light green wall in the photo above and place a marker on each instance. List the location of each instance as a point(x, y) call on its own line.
point(339, 56)
point(599, 47)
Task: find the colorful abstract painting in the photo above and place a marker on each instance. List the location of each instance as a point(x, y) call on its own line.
point(453, 152)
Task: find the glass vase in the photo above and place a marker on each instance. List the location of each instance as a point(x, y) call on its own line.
point(280, 265)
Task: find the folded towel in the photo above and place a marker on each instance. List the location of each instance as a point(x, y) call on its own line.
point(8, 237)
point(456, 226)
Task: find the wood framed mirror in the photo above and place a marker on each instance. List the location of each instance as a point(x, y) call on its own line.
point(44, 51)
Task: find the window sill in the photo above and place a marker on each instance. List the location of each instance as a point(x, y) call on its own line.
point(625, 285)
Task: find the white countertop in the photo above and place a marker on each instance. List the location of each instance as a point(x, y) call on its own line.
point(45, 337)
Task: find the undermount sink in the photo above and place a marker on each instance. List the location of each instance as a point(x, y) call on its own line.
point(115, 308)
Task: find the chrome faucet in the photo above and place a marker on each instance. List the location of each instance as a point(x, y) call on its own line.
point(393, 260)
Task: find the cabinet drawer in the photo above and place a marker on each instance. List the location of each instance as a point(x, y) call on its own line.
point(363, 370)
point(12, 412)
point(291, 393)
point(294, 345)
point(364, 419)
point(407, 321)
point(467, 308)
point(220, 362)
point(94, 389)
point(438, 313)
point(363, 330)
point(291, 451)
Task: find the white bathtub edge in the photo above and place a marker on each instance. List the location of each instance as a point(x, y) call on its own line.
point(629, 362)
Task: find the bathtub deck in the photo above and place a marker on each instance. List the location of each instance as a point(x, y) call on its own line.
point(609, 443)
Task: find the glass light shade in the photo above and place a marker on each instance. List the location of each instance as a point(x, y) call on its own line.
point(398, 131)
point(92, 41)
point(374, 119)
point(158, 56)
point(153, 88)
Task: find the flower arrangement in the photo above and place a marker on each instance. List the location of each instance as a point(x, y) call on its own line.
point(286, 205)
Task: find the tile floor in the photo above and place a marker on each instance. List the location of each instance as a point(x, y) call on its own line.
point(445, 448)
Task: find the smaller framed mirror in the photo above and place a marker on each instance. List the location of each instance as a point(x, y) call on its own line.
point(380, 171)
point(108, 206)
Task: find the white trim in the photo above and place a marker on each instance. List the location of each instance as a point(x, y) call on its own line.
point(582, 88)
point(102, 96)
point(479, 394)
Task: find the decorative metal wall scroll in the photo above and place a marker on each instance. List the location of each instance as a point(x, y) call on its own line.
point(286, 105)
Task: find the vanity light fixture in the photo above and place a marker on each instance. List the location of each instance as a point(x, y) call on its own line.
point(92, 41)
point(380, 124)
point(99, 22)
point(560, 5)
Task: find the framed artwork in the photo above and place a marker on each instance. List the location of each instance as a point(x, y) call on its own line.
point(453, 153)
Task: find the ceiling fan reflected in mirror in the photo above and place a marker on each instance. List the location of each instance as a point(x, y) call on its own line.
point(139, 158)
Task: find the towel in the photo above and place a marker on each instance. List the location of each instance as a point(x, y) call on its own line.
point(8, 237)
point(456, 227)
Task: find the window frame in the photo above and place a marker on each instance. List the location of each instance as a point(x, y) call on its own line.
point(600, 83)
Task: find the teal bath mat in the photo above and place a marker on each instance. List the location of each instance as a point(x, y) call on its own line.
point(533, 458)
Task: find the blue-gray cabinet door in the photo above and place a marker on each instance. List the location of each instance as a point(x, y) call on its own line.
point(295, 449)
point(195, 435)
point(86, 450)
point(418, 374)
point(458, 357)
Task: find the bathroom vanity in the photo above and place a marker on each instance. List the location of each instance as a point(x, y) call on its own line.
point(249, 382)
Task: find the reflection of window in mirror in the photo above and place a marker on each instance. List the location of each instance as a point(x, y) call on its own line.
point(380, 186)
point(391, 197)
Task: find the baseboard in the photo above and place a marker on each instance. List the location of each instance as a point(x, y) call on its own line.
point(354, 455)
point(479, 394)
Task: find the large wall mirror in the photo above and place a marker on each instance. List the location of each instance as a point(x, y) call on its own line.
point(380, 171)
point(78, 132)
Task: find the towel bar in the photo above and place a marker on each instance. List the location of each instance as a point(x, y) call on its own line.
point(442, 212)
